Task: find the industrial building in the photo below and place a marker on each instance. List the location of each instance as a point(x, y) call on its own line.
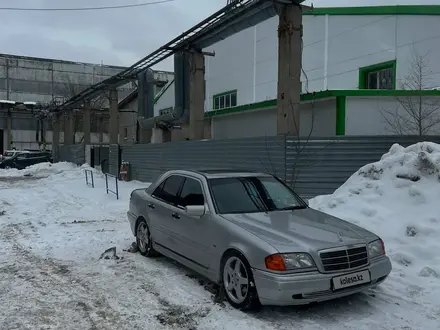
point(29, 85)
point(356, 67)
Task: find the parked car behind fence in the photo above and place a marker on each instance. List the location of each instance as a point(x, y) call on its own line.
point(23, 159)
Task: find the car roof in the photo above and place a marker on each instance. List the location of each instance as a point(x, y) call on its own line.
point(225, 173)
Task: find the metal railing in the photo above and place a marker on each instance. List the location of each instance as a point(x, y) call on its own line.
point(116, 191)
point(89, 175)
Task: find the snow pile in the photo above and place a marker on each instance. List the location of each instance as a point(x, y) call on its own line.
point(398, 198)
point(53, 231)
point(39, 170)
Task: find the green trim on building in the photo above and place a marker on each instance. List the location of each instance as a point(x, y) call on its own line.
point(323, 95)
point(376, 67)
point(341, 102)
point(376, 10)
point(241, 108)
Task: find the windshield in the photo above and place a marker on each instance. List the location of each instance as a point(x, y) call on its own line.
point(253, 194)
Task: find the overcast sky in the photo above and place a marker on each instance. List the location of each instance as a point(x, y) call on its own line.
point(117, 37)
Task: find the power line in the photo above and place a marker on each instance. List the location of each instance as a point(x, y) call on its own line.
point(88, 8)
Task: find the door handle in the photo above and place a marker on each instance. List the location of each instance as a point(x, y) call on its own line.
point(151, 206)
point(175, 215)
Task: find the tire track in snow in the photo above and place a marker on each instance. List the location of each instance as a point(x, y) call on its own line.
point(48, 277)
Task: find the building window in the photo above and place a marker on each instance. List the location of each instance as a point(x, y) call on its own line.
point(378, 76)
point(225, 100)
point(165, 111)
point(125, 133)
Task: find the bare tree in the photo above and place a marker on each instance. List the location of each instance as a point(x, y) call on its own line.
point(415, 114)
point(295, 151)
point(69, 89)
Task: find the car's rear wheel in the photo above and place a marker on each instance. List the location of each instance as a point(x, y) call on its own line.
point(144, 241)
point(238, 282)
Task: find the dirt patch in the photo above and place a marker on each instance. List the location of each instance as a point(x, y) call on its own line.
point(179, 316)
point(217, 292)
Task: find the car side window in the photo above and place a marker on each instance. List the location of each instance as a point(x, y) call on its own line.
point(192, 193)
point(169, 189)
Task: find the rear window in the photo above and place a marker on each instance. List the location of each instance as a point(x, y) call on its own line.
point(9, 153)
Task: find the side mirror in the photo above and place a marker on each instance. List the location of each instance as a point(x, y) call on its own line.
point(195, 210)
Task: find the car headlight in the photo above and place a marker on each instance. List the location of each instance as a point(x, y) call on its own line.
point(376, 249)
point(289, 261)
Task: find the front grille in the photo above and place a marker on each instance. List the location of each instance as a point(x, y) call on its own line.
point(344, 259)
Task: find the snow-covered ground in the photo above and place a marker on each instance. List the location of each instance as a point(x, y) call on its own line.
point(53, 229)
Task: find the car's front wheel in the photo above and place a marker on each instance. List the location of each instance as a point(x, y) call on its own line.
point(238, 282)
point(143, 240)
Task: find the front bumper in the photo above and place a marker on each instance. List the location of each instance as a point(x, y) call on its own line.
point(132, 220)
point(305, 288)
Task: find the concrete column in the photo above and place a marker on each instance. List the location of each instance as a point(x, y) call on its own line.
point(289, 70)
point(69, 127)
point(156, 135)
point(196, 96)
point(87, 123)
point(55, 137)
point(9, 130)
point(145, 135)
point(101, 129)
point(166, 134)
point(114, 117)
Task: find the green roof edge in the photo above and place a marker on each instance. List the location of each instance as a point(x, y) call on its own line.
point(376, 10)
point(323, 95)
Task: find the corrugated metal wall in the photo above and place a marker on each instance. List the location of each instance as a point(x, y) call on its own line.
point(114, 159)
point(74, 153)
point(313, 167)
point(149, 160)
point(320, 166)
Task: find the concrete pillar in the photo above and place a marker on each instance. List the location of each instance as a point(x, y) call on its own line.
point(160, 135)
point(289, 69)
point(101, 129)
point(69, 124)
point(196, 96)
point(145, 135)
point(156, 135)
point(166, 134)
point(114, 117)
point(56, 137)
point(9, 130)
point(87, 123)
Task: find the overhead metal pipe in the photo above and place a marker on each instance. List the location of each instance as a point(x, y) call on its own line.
point(180, 110)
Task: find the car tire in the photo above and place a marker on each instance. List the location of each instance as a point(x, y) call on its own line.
point(236, 274)
point(144, 241)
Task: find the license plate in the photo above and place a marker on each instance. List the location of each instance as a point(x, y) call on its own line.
point(352, 279)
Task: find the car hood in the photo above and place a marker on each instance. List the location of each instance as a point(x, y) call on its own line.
point(304, 229)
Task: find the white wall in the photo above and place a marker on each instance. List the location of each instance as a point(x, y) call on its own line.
point(335, 47)
point(166, 100)
point(369, 115)
point(26, 139)
point(264, 122)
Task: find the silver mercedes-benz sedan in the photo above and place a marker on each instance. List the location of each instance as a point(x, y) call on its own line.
point(253, 235)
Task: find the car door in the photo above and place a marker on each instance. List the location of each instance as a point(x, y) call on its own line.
point(190, 231)
point(161, 209)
